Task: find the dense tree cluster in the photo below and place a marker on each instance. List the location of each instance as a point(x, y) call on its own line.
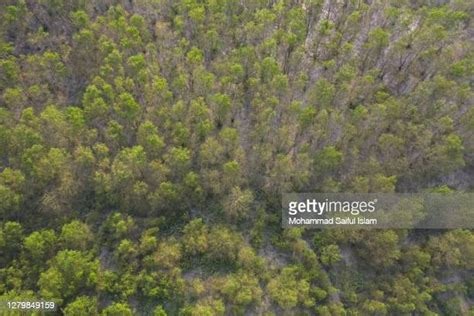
point(145, 144)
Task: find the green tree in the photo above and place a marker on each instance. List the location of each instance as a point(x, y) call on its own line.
point(238, 205)
point(330, 255)
point(117, 309)
point(11, 239)
point(288, 289)
point(81, 306)
point(76, 236)
point(40, 246)
point(70, 273)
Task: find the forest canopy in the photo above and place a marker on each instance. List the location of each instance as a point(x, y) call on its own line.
point(145, 146)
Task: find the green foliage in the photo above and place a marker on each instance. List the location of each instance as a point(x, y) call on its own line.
point(288, 289)
point(223, 245)
point(11, 185)
point(145, 145)
point(40, 245)
point(328, 159)
point(148, 138)
point(159, 311)
point(76, 236)
point(330, 255)
point(11, 238)
point(242, 289)
point(83, 305)
point(381, 250)
point(207, 307)
point(453, 249)
point(195, 56)
point(117, 226)
point(238, 205)
point(70, 273)
point(195, 238)
point(117, 309)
